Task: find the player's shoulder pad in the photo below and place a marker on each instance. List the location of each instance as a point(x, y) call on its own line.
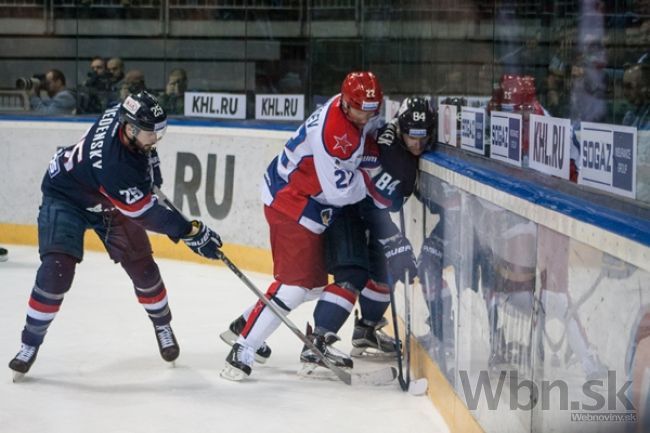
point(340, 137)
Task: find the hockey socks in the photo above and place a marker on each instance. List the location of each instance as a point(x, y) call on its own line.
point(374, 301)
point(333, 308)
point(53, 280)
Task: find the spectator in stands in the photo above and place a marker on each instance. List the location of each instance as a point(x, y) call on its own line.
point(636, 88)
point(98, 65)
point(557, 97)
point(116, 67)
point(61, 100)
point(94, 95)
point(589, 82)
point(173, 98)
point(133, 83)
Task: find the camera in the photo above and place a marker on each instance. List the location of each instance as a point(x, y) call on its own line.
point(99, 82)
point(34, 82)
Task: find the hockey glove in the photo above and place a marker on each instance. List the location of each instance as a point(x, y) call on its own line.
point(399, 256)
point(203, 241)
point(430, 262)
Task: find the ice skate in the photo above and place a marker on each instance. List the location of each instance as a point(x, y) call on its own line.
point(23, 361)
point(310, 361)
point(370, 341)
point(239, 363)
point(167, 343)
point(232, 333)
point(4, 254)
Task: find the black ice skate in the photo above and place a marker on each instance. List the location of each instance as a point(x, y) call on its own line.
point(239, 363)
point(323, 343)
point(23, 360)
point(167, 343)
point(370, 341)
point(230, 338)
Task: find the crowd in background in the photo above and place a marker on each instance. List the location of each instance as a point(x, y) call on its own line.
point(107, 84)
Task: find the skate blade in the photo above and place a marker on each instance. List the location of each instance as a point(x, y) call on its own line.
point(230, 338)
point(18, 377)
point(371, 354)
point(309, 370)
point(233, 374)
point(418, 387)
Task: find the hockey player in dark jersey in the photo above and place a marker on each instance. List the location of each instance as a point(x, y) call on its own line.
point(105, 182)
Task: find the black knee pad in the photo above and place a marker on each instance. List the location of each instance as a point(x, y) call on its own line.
point(351, 277)
point(56, 273)
point(143, 272)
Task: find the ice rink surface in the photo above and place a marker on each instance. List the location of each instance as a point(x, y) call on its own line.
point(99, 369)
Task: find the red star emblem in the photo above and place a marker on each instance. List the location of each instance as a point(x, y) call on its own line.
point(342, 143)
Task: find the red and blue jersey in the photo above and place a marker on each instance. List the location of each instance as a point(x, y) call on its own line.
point(318, 172)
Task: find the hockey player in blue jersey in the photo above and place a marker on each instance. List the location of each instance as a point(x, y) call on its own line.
point(105, 182)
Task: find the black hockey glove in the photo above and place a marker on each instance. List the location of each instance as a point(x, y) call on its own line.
point(399, 256)
point(430, 262)
point(204, 242)
point(387, 135)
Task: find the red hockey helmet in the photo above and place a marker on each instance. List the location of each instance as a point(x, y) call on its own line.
point(361, 90)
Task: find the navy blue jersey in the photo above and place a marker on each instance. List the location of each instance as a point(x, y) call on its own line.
point(100, 174)
point(392, 169)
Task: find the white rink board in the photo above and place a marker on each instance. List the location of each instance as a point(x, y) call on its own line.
point(26, 148)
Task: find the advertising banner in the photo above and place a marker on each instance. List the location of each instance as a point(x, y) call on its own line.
point(505, 137)
point(280, 107)
point(608, 158)
point(447, 128)
point(472, 130)
point(550, 145)
point(215, 105)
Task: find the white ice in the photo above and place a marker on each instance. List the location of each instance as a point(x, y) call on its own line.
point(99, 369)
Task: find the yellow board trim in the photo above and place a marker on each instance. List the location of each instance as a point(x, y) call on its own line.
point(443, 396)
point(248, 258)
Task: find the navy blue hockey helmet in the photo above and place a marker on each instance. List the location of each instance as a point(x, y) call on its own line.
point(415, 117)
point(144, 112)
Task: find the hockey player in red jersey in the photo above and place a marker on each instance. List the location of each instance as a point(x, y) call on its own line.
point(365, 251)
point(304, 189)
point(105, 182)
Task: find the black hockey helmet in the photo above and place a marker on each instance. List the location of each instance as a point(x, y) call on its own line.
point(143, 111)
point(415, 117)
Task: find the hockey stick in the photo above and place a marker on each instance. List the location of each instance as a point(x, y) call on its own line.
point(417, 386)
point(378, 377)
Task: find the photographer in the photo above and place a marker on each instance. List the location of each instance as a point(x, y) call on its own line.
point(96, 91)
point(173, 98)
point(61, 100)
